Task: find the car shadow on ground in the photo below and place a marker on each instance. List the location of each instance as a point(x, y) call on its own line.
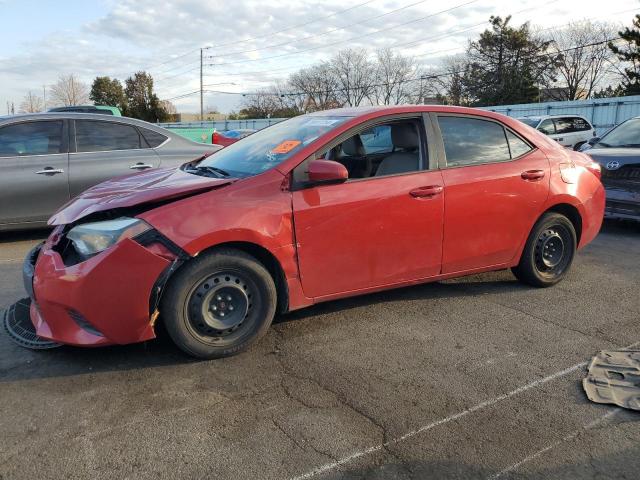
point(17, 364)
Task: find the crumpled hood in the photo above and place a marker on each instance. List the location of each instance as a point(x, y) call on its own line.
point(138, 188)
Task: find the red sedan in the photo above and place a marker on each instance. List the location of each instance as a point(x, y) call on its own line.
point(230, 136)
point(318, 207)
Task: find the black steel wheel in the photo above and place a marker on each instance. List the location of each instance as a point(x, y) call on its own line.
point(219, 303)
point(549, 251)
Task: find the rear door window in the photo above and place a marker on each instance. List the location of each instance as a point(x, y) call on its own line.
point(31, 138)
point(564, 125)
point(580, 125)
point(97, 136)
point(470, 141)
point(547, 127)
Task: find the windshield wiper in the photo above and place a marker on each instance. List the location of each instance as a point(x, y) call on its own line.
point(604, 144)
point(215, 170)
point(628, 145)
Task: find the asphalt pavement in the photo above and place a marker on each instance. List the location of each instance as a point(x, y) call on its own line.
point(477, 377)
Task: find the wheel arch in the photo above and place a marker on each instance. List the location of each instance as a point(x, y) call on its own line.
point(572, 213)
point(267, 259)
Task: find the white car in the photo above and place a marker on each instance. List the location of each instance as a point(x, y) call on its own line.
point(571, 131)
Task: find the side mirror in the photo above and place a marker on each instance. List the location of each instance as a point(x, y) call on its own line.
point(326, 171)
point(592, 141)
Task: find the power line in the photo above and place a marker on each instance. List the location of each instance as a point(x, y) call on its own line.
point(291, 42)
point(291, 27)
point(415, 79)
point(346, 40)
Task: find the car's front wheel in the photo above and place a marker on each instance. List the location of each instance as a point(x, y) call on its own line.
point(219, 303)
point(549, 252)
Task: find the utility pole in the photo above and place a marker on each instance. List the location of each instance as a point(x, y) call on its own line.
point(201, 92)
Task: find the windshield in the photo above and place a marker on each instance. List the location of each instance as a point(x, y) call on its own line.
point(532, 122)
point(269, 147)
point(625, 135)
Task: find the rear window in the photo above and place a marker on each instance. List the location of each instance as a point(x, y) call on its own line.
point(96, 136)
point(31, 138)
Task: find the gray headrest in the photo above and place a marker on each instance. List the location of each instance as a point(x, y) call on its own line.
point(404, 135)
point(353, 147)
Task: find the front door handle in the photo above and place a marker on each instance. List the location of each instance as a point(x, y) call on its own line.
point(532, 175)
point(426, 192)
point(140, 166)
point(49, 171)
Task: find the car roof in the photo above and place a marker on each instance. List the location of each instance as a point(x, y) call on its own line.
point(544, 117)
point(80, 116)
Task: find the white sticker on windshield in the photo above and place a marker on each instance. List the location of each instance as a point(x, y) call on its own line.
point(321, 122)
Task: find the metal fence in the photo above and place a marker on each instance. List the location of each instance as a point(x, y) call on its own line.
point(603, 113)
point(222, 125)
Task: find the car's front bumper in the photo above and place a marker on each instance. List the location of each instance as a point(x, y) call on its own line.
point(101, 301)
point(623, 202)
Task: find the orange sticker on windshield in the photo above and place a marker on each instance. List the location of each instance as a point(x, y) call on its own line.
point(286, 146)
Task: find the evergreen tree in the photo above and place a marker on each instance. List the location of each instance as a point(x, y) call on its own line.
point(108, 91)
point(630, 54)
point(142, 102)
point(506, 65)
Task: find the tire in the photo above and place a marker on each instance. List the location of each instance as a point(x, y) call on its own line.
point(218, 304)
point(549, 252)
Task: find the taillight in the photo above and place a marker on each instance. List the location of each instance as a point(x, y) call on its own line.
point(215, 137)
point(595, 168)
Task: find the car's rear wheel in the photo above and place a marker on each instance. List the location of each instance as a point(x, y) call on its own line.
point(549, 252)
point(219, 303)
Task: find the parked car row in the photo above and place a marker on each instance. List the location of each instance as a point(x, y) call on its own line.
point(47, 159)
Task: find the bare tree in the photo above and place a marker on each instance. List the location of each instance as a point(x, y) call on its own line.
point(69, 91)
point(448, 81)
point(315, 88)
point(394, 78)
point(584, 58)
point(355, 75)
point(171, 109)
point(31, 103)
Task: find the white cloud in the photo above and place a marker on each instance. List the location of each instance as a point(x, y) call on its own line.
point(144, 34)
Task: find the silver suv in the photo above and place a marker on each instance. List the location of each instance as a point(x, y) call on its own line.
point(48, 158)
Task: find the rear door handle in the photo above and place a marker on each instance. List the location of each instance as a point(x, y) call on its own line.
point(140, 166)
point(49, 171)
point(426, 192)
point(532, 175)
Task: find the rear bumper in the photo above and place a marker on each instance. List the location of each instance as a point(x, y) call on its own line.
point(101, 301)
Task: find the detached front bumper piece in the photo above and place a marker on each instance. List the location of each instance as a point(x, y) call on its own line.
point(103, 300)
point(17, 323)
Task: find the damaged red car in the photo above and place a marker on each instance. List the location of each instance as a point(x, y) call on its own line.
point(321, 206)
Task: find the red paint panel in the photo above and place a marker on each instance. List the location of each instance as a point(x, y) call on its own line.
point(489, 210)
point(111, 291)
point(366, 233)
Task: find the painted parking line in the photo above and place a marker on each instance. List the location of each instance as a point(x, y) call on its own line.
point(548, 448)
point(11, 260)
point(480, 406)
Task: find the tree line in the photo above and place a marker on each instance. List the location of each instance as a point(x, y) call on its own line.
point(136, 98)
point(505, 65)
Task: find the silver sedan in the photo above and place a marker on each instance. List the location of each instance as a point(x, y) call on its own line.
point(48, 158)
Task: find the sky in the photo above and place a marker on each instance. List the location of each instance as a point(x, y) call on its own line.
point(247, 43)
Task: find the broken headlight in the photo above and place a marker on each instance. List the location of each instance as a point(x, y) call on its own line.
point(91, 238)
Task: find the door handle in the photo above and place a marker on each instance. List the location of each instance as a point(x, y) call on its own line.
point(426, 192)
point(49, 171)
point(532, 175)
point(140, 166)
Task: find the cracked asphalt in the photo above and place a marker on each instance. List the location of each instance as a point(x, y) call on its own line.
point(477, 377)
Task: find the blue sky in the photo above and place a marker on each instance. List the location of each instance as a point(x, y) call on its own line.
point(44, 39)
